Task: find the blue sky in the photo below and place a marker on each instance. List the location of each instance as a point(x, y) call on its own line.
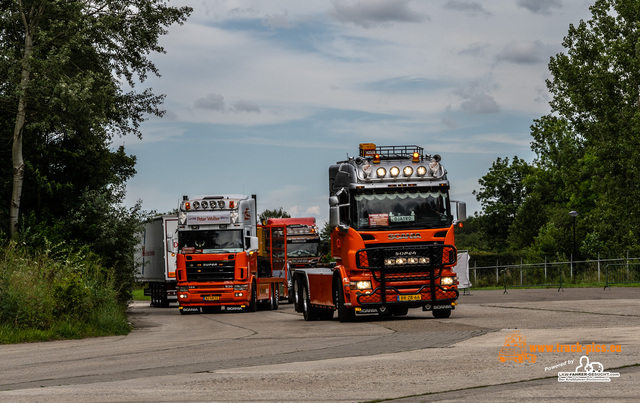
point(262, 96)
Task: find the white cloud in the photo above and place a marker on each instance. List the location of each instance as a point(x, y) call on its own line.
point(288, 77)
point(212, 102)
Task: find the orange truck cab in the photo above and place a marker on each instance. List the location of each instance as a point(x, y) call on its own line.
point(392, 238)
point(217, 249)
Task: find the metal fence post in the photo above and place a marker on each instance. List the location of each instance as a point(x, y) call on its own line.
point(520, 270)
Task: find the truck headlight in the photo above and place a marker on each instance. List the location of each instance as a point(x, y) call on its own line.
point(241, 287)
point(447, 280)
point(182, 288)
point(360, 285)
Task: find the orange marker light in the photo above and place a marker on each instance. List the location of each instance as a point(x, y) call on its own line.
point(416, 157)
point(376, 159)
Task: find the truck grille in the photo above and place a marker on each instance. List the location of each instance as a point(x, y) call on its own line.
point(219, 270)
point(392, 265)
point(406, 263)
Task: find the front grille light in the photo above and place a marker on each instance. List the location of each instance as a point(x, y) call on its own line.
point(397, 261)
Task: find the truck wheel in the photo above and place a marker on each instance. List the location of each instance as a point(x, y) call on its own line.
point(296, 295)
point(154, 295)
point(290, 295)
point(441, 313)
point(344, 314)
point(253, 304)
point(275, 297)
point(309, 312)
point(164, 299)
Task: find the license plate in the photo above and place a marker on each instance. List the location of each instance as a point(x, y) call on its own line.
point(211, 297)
point(416, 297)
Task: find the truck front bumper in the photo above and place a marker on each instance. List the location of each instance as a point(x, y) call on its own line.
point(425, 296)
point(214, 298)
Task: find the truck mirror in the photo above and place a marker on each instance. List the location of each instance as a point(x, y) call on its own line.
point(461, 211)
point(253, 243)
point(334, 215)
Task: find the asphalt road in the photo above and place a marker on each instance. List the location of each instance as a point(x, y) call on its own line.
point(275, 356)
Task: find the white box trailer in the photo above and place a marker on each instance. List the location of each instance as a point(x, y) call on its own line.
point(155, 261)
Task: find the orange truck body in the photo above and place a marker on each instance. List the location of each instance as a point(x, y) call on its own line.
point(392, 238)
point(217, 256)
point(286, 244)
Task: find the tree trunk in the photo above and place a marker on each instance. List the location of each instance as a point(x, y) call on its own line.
point(18, 161)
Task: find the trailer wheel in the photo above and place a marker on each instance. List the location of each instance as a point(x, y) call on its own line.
point(441, 313)
point(344, 314)
point(253, 304)
point(309, 312)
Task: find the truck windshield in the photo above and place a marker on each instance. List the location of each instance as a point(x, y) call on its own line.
point(382, 209)
point(212, 241)
point(302, 249)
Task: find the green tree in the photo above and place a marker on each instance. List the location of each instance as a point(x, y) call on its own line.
point(63, 62)
point(596, 90)
point(279, 213)
point(501, 194)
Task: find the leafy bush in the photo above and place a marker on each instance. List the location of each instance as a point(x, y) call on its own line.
point(58, 292)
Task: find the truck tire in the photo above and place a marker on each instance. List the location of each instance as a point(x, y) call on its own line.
point(310, 313)
point(290, 295)
point(344, 314)
point(296, 294)
point(441, 313)
point(253, 303)
point(275, 297)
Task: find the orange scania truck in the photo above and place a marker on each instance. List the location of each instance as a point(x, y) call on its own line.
point(217, 256)
point(392, 238)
